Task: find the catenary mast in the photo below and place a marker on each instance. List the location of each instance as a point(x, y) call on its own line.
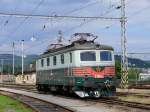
point(124, 60)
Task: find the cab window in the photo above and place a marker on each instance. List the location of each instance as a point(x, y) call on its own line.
point(88, 56)
point(105, 56)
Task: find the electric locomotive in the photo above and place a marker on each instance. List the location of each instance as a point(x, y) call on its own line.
point(83, 67)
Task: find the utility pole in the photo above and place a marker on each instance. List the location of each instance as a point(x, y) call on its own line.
point(124, 60)
point(13, 58)
point(22, 47)
point(2, 64)
point(2, 68)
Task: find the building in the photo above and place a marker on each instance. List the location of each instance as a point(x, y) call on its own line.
point(27, 78)
point(7, 78)
point(145, 75)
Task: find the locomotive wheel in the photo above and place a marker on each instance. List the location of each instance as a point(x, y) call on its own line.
point(97, 94)
point(38, 87)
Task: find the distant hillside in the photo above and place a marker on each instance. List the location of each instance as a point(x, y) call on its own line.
point(31, 58)
point(8, 59)
point(134, 61)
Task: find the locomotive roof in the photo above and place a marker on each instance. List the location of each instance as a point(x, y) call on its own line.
point(77, 45)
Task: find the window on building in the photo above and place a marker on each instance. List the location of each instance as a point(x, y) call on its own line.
point(62, 58)
point(70, 57)
point(48, 61)
point(88, 56)
point(42, 62)
point(105, 56)
point(54, 60)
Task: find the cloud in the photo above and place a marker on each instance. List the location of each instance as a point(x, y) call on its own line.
point(109, 31)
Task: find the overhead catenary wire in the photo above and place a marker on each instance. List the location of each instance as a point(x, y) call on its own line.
point(139, 11)
point(77, 17)
point(56, 16)
point(24, 20)
point(90, 20)
point(74, 10)
point(84, 23)
point(134, 53)
point(78, 26)
point(81, 23)
point(81, 8)
point(107, 12)
point(7, 21)
point(77, 9)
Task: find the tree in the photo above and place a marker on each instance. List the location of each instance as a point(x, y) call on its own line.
point(133, 74)
point(118, 69)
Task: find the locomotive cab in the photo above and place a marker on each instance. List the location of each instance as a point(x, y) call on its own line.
point(94, 71)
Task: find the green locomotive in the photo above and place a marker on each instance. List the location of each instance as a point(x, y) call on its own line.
point(83, 67)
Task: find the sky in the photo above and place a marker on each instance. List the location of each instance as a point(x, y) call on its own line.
point(39, 33)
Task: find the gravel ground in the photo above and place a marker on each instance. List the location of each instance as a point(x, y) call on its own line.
point(76, 104)
point(143, 91)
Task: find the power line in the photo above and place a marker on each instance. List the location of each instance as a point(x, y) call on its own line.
point(56, 16)
point(86, 22)
point(72, 17)
point(140, 53)
point(24, 20)
point(139, 11)
point(134, 53)
point(90, 20)
point(107, 12)
point(8, 19)
point(81, 8)
point(75, 10)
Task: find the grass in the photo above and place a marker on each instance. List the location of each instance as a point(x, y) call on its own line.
point(8, 104)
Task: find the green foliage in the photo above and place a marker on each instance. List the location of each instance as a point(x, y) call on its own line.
point(118, 69)
point(7, 69)
point(133, 74)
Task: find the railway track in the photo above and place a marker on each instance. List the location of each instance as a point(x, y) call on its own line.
point(141, 95)
point(114, 101)
point(36, 105)
point(109, 101)
point(32, 88)
point(139, 86)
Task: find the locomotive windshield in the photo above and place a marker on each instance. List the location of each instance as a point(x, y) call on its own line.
point(88, 56)
point(105, 56)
